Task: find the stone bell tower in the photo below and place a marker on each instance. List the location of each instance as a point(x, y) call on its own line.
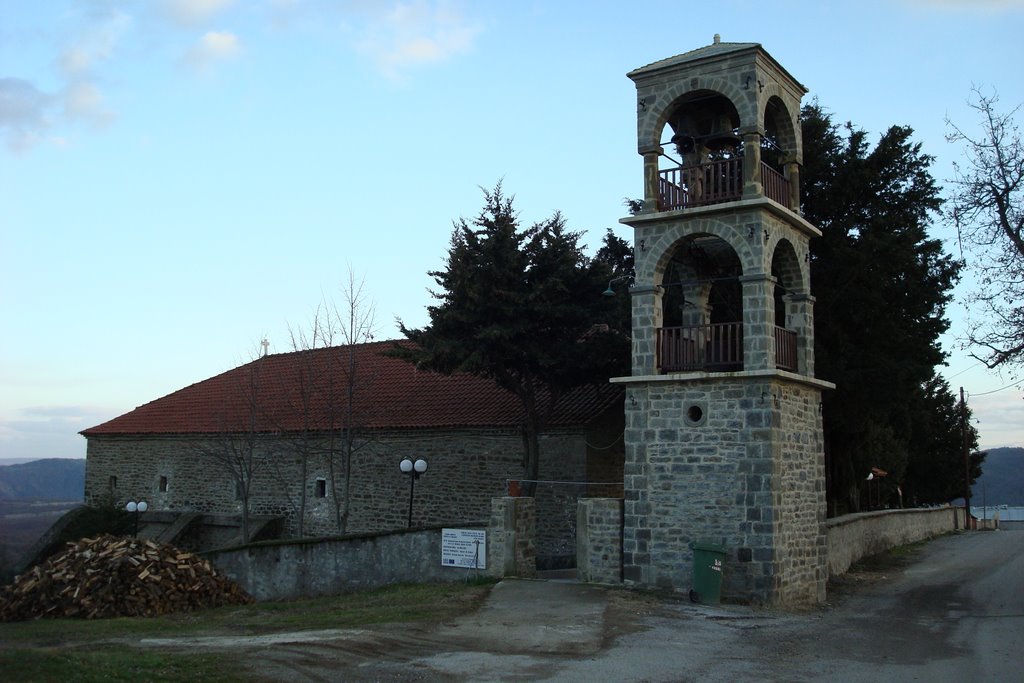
point(723, 413)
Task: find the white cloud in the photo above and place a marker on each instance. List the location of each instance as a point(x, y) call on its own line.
point(23, 117)
point(47, 432)
point(193, 12)
point(96, 44)
point(973, 5)
point(1000, 416)
point(214, 47)
point(84, 102)
point(415, 33)
point(27, 114)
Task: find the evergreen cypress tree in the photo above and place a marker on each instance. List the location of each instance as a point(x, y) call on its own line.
point(882, 286)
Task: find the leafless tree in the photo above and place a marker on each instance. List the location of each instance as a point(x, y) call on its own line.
point(234, 450)
point(331, 394)
point(349, 388)
point(987, 209)
point(305, 441)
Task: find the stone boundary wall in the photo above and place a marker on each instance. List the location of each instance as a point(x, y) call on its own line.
point(852, 537)
point(599, 544)
point(283, 570)
point(599, 540)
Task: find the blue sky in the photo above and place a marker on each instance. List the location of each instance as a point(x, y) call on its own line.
point(180, 179)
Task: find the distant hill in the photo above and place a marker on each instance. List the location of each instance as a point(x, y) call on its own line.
point(48, 479)
point(1002, 478)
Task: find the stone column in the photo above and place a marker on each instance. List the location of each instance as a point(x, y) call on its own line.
point(791, 170)
point(651, 183)
point(758, 321)
point(697, 310)
point(647, 317)
point(511, 549)
point(752, 165)
point(599, 540)
point(801, 319)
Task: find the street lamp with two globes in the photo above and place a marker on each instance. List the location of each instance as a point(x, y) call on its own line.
point(136, 507)
point(414, 470)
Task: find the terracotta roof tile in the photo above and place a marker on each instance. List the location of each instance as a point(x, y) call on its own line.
point(390, 393)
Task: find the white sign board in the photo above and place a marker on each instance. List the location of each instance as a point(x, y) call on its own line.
point(464, 548)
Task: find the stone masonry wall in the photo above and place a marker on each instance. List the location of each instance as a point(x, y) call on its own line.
point(466, 468)
point(716, 459)
point(799, 497)
point(511, 538)
point(298, 569)
point(599, 540)
point(852, 537)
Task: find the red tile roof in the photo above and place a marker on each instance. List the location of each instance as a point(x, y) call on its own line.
point(389, 393)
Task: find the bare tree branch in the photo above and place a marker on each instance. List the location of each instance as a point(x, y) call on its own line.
point(987, 209)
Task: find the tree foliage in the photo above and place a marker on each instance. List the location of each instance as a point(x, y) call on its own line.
point(882, 286)
point(523, 308)
point(936, 428)
point(987, 207)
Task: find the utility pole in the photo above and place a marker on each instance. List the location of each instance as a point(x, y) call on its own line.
point(967, 462)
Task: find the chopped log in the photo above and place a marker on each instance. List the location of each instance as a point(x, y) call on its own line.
point(108, 577)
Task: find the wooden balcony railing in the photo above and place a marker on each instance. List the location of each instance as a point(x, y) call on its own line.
point(716, 347)
point(785, 349)
point(713, 183)
point(774, 185)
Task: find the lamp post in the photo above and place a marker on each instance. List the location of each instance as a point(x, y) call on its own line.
point(135, 508)
point(414, 470)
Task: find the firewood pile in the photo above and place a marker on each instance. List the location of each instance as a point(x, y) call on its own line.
point(102, 577)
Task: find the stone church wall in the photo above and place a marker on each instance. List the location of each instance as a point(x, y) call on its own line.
point(466, 469)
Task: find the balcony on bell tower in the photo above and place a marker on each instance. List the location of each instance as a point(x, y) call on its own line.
point(718, 124)
point(722, 253)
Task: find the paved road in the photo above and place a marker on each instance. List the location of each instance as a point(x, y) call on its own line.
point(953, 612)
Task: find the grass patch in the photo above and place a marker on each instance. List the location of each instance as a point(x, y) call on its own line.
point(88, 650)
point(113, 664)
point(893, 558)
point(874, 568)
point(399, 603)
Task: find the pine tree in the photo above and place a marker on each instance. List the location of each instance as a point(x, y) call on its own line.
point(522, 307)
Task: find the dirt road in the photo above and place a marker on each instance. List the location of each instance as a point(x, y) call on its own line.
point(952, 612)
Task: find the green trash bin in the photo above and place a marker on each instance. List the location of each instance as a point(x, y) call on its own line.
point(708, 563)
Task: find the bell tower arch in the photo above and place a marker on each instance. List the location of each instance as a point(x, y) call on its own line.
point(723, 421)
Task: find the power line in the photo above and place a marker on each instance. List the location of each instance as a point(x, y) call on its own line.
point(986, 393)
point(965, 370)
